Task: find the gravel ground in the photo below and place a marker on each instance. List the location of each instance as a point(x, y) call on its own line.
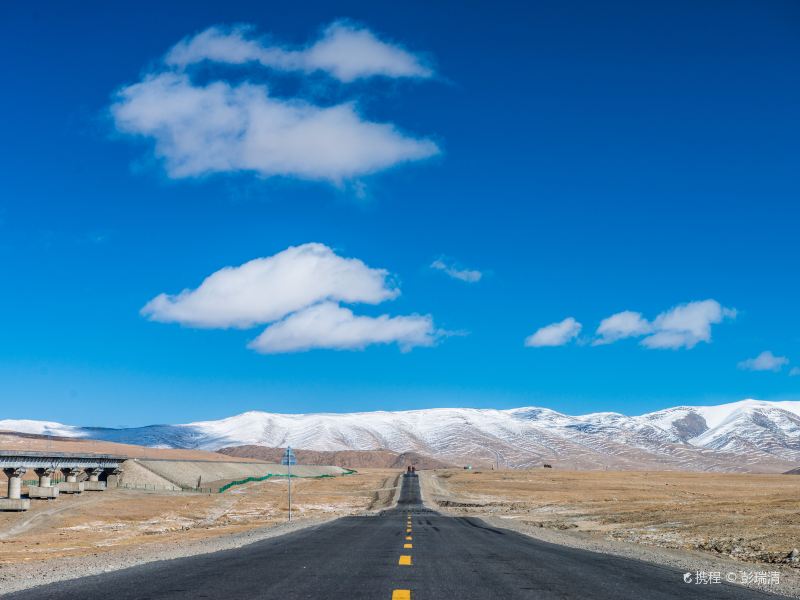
point(17, 577)
point(20, 576)
point(684, 560)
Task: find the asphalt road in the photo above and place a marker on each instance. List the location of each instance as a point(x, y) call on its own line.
point(362, 558)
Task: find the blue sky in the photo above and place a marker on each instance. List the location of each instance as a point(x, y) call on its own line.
point(567, 160)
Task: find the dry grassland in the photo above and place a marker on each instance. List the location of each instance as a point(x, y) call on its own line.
point(94, 523)
point(748, 517)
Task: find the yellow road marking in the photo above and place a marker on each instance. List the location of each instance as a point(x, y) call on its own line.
point(408, 530)
point(405, 559)
point(401, 595)
point(408, 546)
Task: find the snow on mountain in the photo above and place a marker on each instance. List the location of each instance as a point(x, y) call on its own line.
point(40, 427)
point(750, 435)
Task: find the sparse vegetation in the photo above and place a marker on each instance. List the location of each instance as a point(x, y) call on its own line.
point(748, 517)
point(119, 519)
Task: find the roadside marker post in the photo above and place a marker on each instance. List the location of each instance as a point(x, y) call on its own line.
point(289, 459)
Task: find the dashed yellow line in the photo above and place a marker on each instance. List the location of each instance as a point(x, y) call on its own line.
point(405, 560)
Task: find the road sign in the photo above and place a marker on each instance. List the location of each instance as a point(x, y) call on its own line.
point(288, 457)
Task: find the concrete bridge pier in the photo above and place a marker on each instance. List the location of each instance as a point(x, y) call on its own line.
point(93, 483)
point(45, 489)
point(15, 481)
point(111, 477)
point(44, 474)
point(71, 485)
point(14, 501)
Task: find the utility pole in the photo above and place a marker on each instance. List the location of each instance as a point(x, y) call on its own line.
point(497, 458)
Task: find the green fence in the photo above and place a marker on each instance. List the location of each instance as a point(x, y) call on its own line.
point(231, 484)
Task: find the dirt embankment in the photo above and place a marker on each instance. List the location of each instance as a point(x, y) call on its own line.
point(386, 496)
point(351, 459)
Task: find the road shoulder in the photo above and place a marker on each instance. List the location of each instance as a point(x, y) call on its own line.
point(684, 560)
point(16, 577)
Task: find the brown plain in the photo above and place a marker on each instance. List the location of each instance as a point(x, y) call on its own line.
point(99, 522)
point(745, 516)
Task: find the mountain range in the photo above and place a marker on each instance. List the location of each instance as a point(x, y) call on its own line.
point(749, 435)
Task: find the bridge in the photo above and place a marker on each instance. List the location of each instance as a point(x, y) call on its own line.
point(100, 470)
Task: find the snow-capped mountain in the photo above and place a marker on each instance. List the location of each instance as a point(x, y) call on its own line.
point(750, 435)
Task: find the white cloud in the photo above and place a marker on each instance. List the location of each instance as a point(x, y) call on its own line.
point(345, 51)
point(555, 334)
point(766, 361)
point(794, 371)
point(468, 275)
point(267, 289)
point(621, 325)
point(298, 292)
point(222, 127)
point(685, 325)
point(682, 326)
point(329, 325)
